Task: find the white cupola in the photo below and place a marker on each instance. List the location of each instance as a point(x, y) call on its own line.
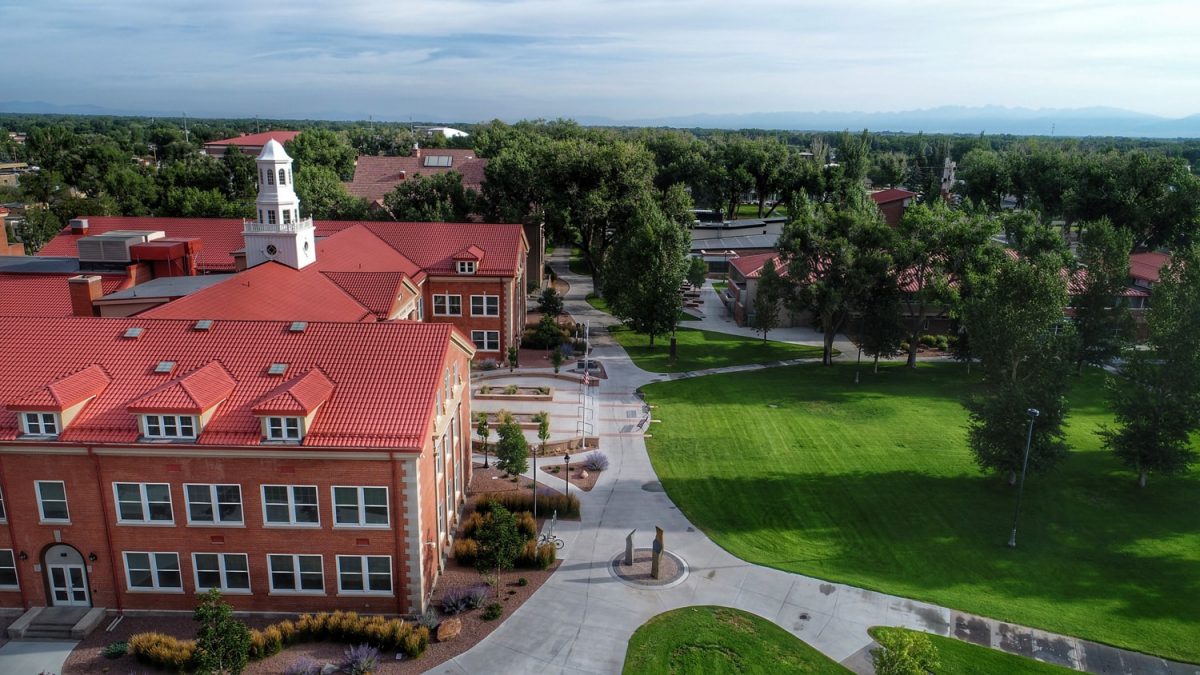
point(279, 234)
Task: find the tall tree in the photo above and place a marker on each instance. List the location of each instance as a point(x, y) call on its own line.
point(1157, 396)
point(1100, 276)
point(323, 147)
point(645, 270)
point(771, 292)
point(1015, 320)
point(936, 245)
point(889, 169)
point(984, 178)
point(323, 195)
point(821, 246)
point(436, 198)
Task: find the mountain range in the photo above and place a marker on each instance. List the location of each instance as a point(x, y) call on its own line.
point(991, 119)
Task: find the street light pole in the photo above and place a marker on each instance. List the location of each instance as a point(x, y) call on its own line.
point(1012, 538)
point(567, 472)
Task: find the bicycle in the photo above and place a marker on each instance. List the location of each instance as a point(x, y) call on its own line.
point(549, 537)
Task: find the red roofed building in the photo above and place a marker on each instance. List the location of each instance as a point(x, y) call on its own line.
point(250, 144)
point(375, 177)
point(296, 467)
point(892, 203)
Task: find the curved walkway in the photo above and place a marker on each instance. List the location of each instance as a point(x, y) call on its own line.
point(581, 620)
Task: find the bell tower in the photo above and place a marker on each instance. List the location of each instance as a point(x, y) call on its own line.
point(279, 234)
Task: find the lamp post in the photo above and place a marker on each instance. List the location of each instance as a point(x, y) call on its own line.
point(1012, 538)
point(567, 472)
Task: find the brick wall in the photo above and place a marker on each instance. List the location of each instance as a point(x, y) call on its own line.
point(510, 323)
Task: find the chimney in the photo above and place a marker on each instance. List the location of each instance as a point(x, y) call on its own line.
point(85, 289)
point(416, 149)
point(79, 226)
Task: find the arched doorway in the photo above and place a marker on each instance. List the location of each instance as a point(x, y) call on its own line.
point(66, 577)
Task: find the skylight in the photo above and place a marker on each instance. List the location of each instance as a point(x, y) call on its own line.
point(133, 332)
point(277, 369)
point(438, 160)
point(203, 324)
point(298, 326)
point(165, 367)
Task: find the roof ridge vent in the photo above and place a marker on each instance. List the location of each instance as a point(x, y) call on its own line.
point(133, 332)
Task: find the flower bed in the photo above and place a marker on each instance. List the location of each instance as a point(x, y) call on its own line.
point(512, 392)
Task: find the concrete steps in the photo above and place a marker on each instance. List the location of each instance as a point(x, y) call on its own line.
point(56, 623)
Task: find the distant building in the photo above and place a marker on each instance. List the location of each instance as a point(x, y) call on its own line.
point(444, 132)
point(8, 243)
point(249, 144)
point(375, 177)
point(10, 173)
point(892, 203)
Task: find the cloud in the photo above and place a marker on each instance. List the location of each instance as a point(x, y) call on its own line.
point(472, 59)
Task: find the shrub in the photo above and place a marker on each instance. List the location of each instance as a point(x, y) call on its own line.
point(492, 612)
point(929, 340)
point(543, 390)
point(595, 461)
point(566, 505)
point(904, 345)
point(303, 666)
point(459, 600)
point(116, 650)
point(550, 303)
point(471, 524)
point(360, 660)
point(903, 652)
point(537, 557)
point(555, 469)
point(428, 620)
point(556, 360)
point(511, 389)
point(162, 651)
point(526, 525)
point(499, 540)
point(943, 342)
point(287, 631)
point(485, 389)
point(415, 642)
point(488, 364)
point(522, 581)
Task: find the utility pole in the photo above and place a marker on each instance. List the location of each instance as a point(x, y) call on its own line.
point(187, 137)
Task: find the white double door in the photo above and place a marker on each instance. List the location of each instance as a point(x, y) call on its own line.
point(68, 586)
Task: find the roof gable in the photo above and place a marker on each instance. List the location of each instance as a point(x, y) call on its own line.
point(299, 396)
point(65, 392)
point(196, 393)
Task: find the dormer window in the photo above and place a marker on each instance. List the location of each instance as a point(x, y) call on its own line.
point(466, 267)
point(40, 424)
point(169, 427)
point(284, 429)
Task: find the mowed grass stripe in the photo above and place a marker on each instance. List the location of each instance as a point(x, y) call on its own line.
point(873, 485)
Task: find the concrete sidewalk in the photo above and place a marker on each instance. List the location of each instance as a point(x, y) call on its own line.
point(32, 657)
point(581, 619)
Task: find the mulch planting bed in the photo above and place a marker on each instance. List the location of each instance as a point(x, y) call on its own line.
point(576, 470)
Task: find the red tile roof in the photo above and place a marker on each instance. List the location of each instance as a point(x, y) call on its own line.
point(1147, 266)
point(427, 246)
point(374, 176)
point(299, 396)
point(257, 140)
point(751, 266)
point(65, 392)
point(38, 294)
point(220, 236)
point(376, 291)
point(385, 375)
point(268, 292)
point(195, 392)
point(891, 195)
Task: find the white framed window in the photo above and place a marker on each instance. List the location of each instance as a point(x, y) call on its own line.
point(420, 309)
point(8, 569)
point(282, 177)
point(39, 424)
point(465, 267)
point(52, 501)
point(226, 572)
point(290, 505)
point(152, 571)
point(284, 429)
point(172, 427)
point(3, 509)
point(287, 216)
point(360, 506)
point(296, 573)
point(486, 340)
point(270, 216)
point(143, 503)
point(216, 504)
point(367, 574)
point(485, 305)
point(447, 305)
point(270, 177)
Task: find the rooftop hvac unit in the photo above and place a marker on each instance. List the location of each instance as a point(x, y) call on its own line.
point(113, 247)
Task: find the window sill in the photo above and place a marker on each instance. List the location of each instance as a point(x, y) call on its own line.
point(365, 594)
point(138, 523)
point(167, 591)
point(241, 525)
point(362, 527)
point(53, 522)
point(226, 591)
point(292, 526)
point(299, 593)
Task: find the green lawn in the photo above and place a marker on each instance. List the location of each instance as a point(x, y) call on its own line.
point(713, 640)
point(602, 305)
point(699, 349)
point(751, 211)
point(799, 469)
point(720, 286)
point(963, 658)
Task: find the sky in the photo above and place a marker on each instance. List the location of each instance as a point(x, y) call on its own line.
point(473, 60)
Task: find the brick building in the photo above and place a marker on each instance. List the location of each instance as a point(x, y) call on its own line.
point(295, 466)
point(250, 144)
